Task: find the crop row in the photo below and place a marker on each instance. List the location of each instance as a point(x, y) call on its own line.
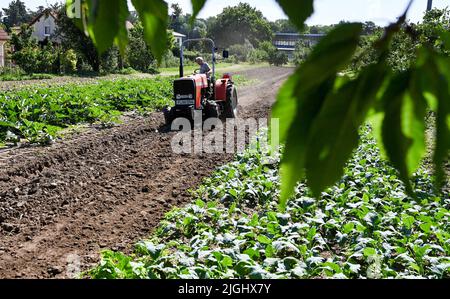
point(363, 227)
point(36, 114)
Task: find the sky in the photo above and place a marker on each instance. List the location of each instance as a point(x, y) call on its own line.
point(327, 12)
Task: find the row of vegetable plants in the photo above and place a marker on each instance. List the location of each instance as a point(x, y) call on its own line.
point(365, 226)
point(36, 114)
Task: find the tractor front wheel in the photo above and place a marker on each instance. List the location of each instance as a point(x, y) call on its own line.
point(169, 115)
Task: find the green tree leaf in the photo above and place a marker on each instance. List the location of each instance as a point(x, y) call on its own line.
point(413, 122)
point(297, 11)
point(197, 5)
point(335, 134)
point(153, 15)
point(441, 153)
point(305, 92)
point(106, 23)
point(396, 143)
point(435, 76)
point(286, 106)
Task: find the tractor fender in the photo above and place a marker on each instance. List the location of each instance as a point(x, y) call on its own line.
point(220, 89)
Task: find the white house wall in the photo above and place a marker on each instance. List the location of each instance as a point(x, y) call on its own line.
point(39, 27)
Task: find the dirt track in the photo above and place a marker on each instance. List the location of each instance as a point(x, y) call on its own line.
point(102, 188)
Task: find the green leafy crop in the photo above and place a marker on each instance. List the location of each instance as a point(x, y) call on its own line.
point(36, 114)
point(364, 226)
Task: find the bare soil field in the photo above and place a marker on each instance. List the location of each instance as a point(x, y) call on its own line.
point(102, 188)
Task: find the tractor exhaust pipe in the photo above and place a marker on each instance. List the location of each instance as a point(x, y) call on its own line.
point(181, 62)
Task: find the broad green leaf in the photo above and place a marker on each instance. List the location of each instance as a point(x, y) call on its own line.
point(293, 161)
point(297, 11)
point(408, 221)
point(348, 227)
point(413, 123)
point(153, 15)
point(369, 251)
point(442, 149)
point(264, 240)
point(197, 5)
point(312, 82)
point(285, 107)
point(329, 56)
point(435, 73)
point(335, 132)
point(106, 23)
point(396, 143)
point(426, 227)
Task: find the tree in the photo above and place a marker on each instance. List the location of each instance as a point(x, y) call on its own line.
point(241, 51)
point(278, 58)
point(284, 25)
point(369, 28)
point(301, 52)
point(236, 24)
point(176, 18)
point(73, 37)
point(30, 56)
point(138, 54)
point(320, 29)
point(16, 14)
point(40, 9)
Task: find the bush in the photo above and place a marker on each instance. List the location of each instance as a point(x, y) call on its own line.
point(11, 71)
point(241, 51)
point(126, 71)
point(109, 60)
point(257, 56)
point(191, 55)
point(301, 52)
point(169, 60)
point(231, 59)
point(17, 74)
point(278, 58)
point(33, 59)
point(69, 61)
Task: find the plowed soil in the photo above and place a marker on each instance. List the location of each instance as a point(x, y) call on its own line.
point(62, 204)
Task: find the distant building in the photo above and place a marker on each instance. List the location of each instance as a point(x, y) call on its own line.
point(287, 42)
point(178, 38)
point(3, 39)
point(44, 25)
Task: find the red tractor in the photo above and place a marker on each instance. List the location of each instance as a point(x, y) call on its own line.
point(199, 94)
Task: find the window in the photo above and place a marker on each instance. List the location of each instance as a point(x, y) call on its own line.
point(47, 30)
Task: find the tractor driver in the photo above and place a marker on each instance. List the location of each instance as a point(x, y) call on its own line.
point(204, 67)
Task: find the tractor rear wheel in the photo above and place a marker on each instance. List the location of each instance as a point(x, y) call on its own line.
point(231, 105)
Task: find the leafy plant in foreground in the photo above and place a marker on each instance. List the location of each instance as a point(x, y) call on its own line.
point(365, 226)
